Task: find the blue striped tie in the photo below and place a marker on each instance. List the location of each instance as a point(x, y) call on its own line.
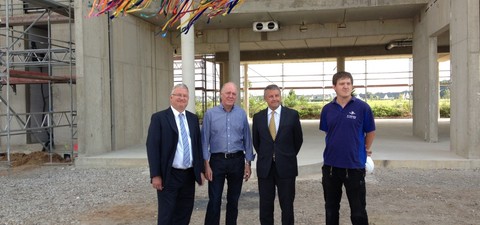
point(186, 148)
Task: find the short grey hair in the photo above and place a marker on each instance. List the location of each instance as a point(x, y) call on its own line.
point(270, 88)
point(181, 85)
point(229, 83)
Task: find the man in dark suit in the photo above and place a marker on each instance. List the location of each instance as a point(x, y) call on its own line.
point(277, 138)
point(175, 158)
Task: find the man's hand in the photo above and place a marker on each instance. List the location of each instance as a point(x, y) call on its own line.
point(247, 172)
point(157, 183)
point(208, 171)
point(369, 152)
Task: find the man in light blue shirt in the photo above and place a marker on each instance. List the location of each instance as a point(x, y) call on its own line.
point(227, 151)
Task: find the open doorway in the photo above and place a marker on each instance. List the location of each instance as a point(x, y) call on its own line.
point(38, 95)
point(445, 81)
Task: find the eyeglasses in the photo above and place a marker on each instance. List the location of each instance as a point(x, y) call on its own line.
point(180, 95)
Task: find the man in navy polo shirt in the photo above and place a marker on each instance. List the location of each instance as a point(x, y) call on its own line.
point(350, 129)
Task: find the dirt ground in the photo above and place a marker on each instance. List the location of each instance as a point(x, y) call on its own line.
point(34, 158)
point(25, 161)
point(394, 197)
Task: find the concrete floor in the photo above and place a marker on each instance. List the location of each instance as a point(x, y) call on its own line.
point(394, 147)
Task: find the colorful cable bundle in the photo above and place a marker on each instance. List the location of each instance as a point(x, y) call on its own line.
point(174, 10)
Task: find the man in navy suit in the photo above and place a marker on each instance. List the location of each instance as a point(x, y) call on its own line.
point(277, 138)
point(175, 158)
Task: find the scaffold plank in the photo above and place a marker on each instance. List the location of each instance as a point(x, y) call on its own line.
point(27, 19)
point(32, 77)
point(55, 6)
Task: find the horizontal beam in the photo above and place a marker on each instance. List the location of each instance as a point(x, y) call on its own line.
point(32, 77)
point(331, 87)
point(15, 80)
point(319, 53)
point(54, 6)
point(27, 19)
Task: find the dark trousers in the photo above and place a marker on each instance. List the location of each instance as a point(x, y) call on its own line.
point(175, 201)
point(354, 181)
point(286, 196)
point(232, 170)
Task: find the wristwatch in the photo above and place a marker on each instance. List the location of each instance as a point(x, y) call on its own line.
point(247, 162)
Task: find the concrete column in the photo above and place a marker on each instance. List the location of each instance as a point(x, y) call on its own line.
point(340, 64)
point(433, 92)
point(133, 79)
point(246, 106)
point(465, 70)
point(188, 63)
point(425, 74)
point(234, 58)
point(425, 88)
point(93, 82)
point(223, 73)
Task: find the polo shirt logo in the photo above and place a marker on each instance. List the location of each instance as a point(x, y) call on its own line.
point(351, 115)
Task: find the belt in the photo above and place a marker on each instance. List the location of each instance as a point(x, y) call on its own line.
point(228, 155)
point(182, 170)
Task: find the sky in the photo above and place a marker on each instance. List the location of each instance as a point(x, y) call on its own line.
point(314, 77)
point(379, 75)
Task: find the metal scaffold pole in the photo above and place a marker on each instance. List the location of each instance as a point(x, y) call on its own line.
point(7, 64)
point(33, 56)
point(70, 67)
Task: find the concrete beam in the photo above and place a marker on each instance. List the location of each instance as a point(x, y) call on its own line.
point(317, 53)
point(287, 5)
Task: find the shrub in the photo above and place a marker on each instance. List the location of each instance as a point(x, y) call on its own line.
point(256, 104)
point(444, 110)
point(311, 110)
point(292, 100)
point(390, 109)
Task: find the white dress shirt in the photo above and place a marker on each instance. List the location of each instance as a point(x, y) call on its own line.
point(178, 160)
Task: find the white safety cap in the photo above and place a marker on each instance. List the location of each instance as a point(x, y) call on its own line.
point(369, 165)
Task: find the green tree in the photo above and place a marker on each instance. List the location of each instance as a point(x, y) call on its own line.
point(292, 100)
point(446, 94)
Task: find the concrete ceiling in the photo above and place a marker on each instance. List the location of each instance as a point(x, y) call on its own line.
point(251, 11)
point(318, 16)
point(245, 20)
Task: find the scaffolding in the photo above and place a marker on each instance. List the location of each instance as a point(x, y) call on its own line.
point(32, 57)
point(207, 80)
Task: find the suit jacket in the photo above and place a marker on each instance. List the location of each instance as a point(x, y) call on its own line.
point(162, 143)
point(286, 146)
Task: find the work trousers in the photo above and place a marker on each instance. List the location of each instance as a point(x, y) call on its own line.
point(354, 181)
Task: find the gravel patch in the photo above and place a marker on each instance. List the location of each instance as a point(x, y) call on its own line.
point(69, 195)
point(60, 194)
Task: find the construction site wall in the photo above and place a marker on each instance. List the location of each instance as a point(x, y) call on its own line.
point(124, 74)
